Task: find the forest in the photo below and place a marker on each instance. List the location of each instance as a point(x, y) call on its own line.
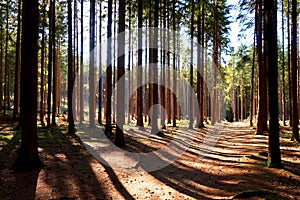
point(149, 99)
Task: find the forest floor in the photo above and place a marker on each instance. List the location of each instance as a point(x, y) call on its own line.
point(234, 168)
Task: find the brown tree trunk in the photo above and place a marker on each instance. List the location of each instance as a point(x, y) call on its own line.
point(119, 139)
point(289, 65)
point(262, 110)
point(191, 99)
point(81, 92)
point(100, 63)
point(283, 69)
point(108, 128)
point(18, 66)
point(50, 59)
point(216, 65)
point(174, 65)
point(153, 66)
point(7, 70)
point(140, 102)
point(294, 66)
point(28, 158)
point(42, 94)
point(1, 65)
point(71, 127)
point(271, 52)
point(91, 65)
point(54, 94)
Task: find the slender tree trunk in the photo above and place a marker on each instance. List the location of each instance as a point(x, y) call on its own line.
point(18, 66)
point(54, 94)
point(201, 125)
point(168, 99)
point(191, 99)
point(81, 112)
point(50, 59)
point(119, 139)
point(91, 65)
point(42, 94)
point(294, 66)
point(153, 65)
point(252, 80)
point(1, 64)
point(7, 70)
point(130, 95)
point(216, 64)
point(262, 111)
point(233, 95)
point(200, 61)
point(145, 75)
point(108, 128)
point(71, 79)
point(274, 159)
point(100, 64)
point(140, 102)
point(289, 64)
point(114, 64)
point(28, 158)
point(283, 67)
point(174, 65)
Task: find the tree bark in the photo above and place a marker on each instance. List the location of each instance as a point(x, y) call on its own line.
point(274, 159)
point(294, 66)
point(140, 102)
point(42, 94)
point(262, 110)
point(108, 128)
point(18, 66)
point(28, 158)
point(71, 127)
point(191, 99)
point(91, 65)
point(119, 139)
point(54, 93)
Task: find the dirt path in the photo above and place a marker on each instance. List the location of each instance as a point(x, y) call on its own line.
point(232, 168)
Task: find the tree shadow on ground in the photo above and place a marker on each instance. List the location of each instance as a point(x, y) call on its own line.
point(229, 171)
point(69, 171)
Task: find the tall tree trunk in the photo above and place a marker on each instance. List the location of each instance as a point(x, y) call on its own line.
point(145, 75)
point(81, 92)
point(7, 70)
point(50, 59)
point(283, 67)
point(1, 64)
point(274, 159)
point(168, 65)
point(71, 127)
point(216, 64)
point(18, 66)
point(252, 82)
point(108, 128)
point(130, 95)
point(262, 110)
point(294, 66)
point(200, 61)
point(174, 65)
point(42, 94)
point(119, 139)
point(28, 158)
point(91, 65)
point(191, 99)
point(153, 65)
point(100, 63)
point(289, 64)
point(140, 102)
point(54, 94)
